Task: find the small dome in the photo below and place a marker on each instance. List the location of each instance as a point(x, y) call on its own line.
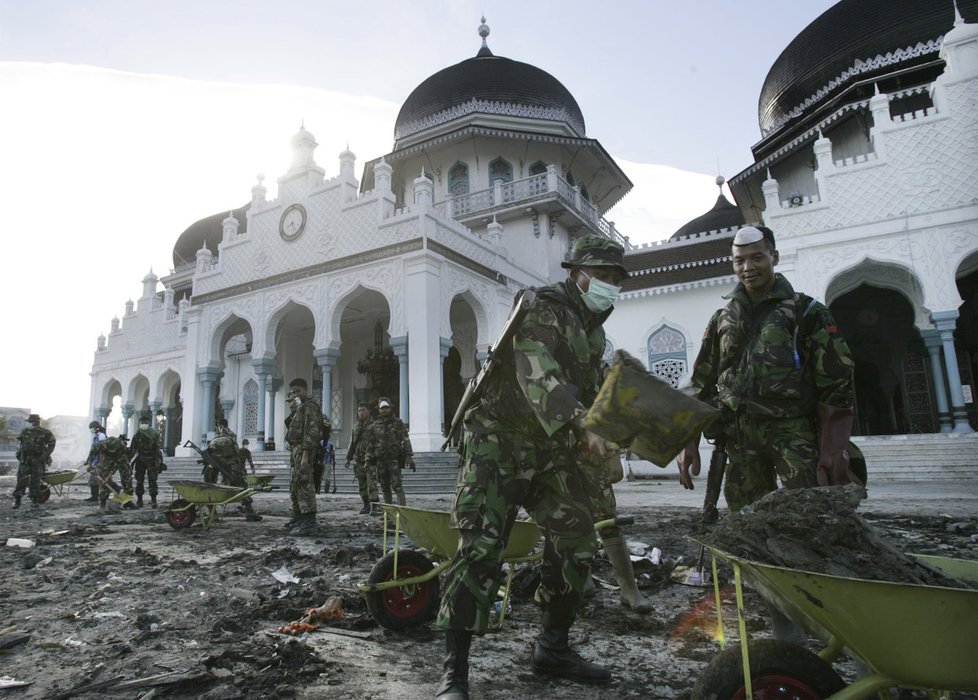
point(849, 42)
point(208, 231)
point(491, 85)
point(722, 216)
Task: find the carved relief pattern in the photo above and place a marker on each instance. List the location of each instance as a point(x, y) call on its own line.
point(386, 278)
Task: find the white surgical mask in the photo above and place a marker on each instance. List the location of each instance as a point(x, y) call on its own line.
point(599, 295)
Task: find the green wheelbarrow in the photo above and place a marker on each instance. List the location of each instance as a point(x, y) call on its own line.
point(59, 481)
point(260, 482)
point(910, 636)
point(205, 497)
point(402, 590)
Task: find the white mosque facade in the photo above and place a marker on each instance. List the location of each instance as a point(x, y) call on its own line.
point(870, 185)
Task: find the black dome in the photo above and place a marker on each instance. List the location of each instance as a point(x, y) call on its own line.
point(209, 231)
point(487, 84)
point(722, 216)
point(823, 58)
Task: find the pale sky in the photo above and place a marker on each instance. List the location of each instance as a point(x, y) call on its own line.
point(124, 121)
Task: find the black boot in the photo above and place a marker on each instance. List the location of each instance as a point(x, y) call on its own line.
point(250, 515)
point(552, 655)
point(305, 526)
point(152, 501)
point(94, 497)
point(139, 501)
point(454, 683)
point(17, 501)
point(366, 507)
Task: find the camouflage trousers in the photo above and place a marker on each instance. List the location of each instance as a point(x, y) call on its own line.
point(501, 472)
point(105, 469)
point(389, 475)
point(29, 479)
point(301, 487)
point(604, 506)
point(367, 481)
point(761, 450)
point(146, 470)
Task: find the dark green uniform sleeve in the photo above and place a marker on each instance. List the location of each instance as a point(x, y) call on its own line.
point(706, 368)
point(831, 360)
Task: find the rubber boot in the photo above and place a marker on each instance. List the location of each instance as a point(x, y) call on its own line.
point(454, 683)
point(94, 497)
point(552, 655)
point(152, 502)
point(305, 526)
point(366, 506)
point(250, 515)
point(17, 501)
point(375, 509)
point(617, 550)
point(139, 501)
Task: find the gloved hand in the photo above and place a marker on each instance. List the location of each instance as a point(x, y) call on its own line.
point(689, 463)
point(834, 429)
point(411, 465)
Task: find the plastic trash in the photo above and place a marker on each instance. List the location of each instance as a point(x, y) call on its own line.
point(18, 542)
point(282, 575)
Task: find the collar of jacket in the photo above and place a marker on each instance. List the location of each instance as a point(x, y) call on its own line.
point(781, 290)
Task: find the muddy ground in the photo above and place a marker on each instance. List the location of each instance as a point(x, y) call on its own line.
point(124, 606)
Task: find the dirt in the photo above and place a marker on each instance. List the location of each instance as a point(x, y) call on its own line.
point(124, 606)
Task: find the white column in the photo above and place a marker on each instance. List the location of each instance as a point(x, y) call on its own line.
point(946, 321)
point(932, 340)
point(423, 317)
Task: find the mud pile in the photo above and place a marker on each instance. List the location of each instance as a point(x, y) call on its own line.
point(818, 530)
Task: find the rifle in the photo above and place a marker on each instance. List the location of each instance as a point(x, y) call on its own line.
point(525, 301)
point(332, 459)
point(209, 459)
point(714, 481)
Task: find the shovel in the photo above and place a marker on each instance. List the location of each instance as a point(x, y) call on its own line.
point(122, 498)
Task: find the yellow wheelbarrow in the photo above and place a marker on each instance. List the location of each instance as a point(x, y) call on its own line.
point(402, 590)
point(909, 636)
point(59, 481)
point(259, 482)
point(205, 497)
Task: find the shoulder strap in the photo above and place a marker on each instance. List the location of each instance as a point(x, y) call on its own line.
point(799, 317)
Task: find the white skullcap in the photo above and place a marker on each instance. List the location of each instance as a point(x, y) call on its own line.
point(748, 235)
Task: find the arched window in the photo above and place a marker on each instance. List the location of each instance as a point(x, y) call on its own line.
point(500, 169)
point(458, 179)
point(538, 168)
point(251, 408)
point(667, 355)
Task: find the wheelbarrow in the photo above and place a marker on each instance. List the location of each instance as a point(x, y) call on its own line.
point(205, 497)
point(911, 636)
point(402, 590)
point(259, 482)
point(59, 481)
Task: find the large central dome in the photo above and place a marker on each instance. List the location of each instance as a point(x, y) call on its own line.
point(488, 84)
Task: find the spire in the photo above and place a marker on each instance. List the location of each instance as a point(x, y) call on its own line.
point(484, 32)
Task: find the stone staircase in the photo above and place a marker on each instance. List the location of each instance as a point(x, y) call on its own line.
point(932, 456)
point(435, 476)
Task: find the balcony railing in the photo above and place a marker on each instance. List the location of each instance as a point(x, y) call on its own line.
point(526, 191)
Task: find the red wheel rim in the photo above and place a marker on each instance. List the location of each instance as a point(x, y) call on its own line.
point(43, 494)
point(180, 517)
point(778, 688)
point(406, 602)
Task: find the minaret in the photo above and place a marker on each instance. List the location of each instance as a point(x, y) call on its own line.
point(303, 166)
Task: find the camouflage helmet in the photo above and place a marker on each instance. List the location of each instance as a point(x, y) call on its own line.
point(596, 251)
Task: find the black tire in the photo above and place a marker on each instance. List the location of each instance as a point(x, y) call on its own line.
point(180, 519)
point(43, 494)
point(405, 606)
point(779, 671)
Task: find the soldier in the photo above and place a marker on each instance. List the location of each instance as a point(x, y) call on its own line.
point(388, 450)
point(113, 457)
point(145, 448)
point(520, 448)
point(34, 455)
point(324, 455)
point(774, 362)
point(366, 479)
point(225, 449)
point(244, 456)
point(98, 435)
point(303, 433)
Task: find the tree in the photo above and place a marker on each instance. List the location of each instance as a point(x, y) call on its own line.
point(382, 371)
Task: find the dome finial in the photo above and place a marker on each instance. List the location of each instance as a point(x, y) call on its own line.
point(720, 180)
point(484, 32)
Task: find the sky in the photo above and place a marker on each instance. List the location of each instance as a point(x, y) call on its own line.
point(122, 122)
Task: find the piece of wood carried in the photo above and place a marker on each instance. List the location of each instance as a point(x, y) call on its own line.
point(644, 414)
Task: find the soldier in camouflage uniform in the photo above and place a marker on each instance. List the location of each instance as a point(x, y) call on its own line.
point(521, 448)
point(34, 455)
point(145, 448)
point(303, 433)
point(366, 479)
point(774, 362)
point(225, 448)
point(388, 450)
point(113, 456)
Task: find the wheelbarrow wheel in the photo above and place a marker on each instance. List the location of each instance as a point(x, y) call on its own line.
point(779, 671)
point(43, 494)
point(181, 514)
point(404, 606)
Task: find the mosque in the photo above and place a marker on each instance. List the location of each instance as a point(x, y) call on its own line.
point(396, 282)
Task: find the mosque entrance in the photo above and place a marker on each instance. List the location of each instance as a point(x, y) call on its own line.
point(364, 335)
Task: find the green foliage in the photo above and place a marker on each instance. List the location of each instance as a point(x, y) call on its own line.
point(383, 372)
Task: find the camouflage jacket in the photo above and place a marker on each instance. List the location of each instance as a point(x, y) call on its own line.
point(112, 452)
point(385, 441)
point(556, 363)
point(305, 426)
point(36, 445)
point(795, 359)
point(145, 444)
point(358, 443)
